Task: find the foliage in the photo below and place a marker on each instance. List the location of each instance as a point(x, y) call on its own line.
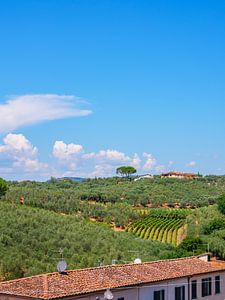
point(126, 171)
point(3, 187)
point(207, 223)
point(66, 195)
point(30, 240)
point(190, 243)
point(169, 213)
point(214, 224)
point(115, 200)
point(57, 214)
point(221, 204)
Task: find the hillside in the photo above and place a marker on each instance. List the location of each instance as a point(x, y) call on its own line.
point(164, 225)
point(79, 216)
point(31, 238)
point(113, 199)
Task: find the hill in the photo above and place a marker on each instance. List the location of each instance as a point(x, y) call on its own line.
point(113, 200)
point(76, 179)
point(31, 238)
point(78, 217)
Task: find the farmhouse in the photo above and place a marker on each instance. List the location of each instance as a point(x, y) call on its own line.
point(174, 279)
point(179, 175)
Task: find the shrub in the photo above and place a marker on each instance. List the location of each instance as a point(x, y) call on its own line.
point(221, 204)
point(190, 243)
point(3, 187)
point(213, 225)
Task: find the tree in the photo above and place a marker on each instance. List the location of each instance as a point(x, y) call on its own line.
point(3, 187)
point(126, 171)
point(214, 224)
point(190, 243)
point(221, 204)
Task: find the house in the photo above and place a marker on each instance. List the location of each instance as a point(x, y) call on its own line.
point(179, 175)
point(146, 176)
point(175, 279)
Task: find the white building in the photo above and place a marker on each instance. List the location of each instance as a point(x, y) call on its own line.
point(146, 176)
point(176, 279)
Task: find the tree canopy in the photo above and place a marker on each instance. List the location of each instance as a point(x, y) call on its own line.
point(3, 187)
point(221, 204)
point(126, 171)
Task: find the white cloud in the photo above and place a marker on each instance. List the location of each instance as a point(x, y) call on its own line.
point(68, 154)
point(113, 155)
point(30, 109)
point(104, 162)
point(65, 151)
point(104, 170)
point(20, 154)
point(136, 161)
point(191, 163)
point(150, 162)
point(72, 157)
point(30, 165)
point(16, 145)
point(89, 155)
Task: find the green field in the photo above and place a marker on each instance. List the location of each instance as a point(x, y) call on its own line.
point(164, 225)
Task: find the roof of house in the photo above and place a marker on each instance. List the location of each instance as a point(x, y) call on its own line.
point(82, 281)
point(179, 174)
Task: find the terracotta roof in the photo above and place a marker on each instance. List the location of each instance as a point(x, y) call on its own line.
point(179, 174)
point(82, 281)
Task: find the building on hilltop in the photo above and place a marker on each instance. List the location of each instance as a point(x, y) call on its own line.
point(179, 175)
point(146, 176)
point(175, 279)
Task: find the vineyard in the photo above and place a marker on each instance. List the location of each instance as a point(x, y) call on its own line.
point(167, 226)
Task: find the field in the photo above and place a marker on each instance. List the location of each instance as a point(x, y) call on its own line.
point(164, 225)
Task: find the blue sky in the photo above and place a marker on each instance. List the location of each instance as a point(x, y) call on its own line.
point(86, 86)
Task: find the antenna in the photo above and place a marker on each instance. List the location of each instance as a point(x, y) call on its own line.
point(61, 253)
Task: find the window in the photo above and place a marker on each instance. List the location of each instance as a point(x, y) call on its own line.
point(206, 286)
point(217, 285)
point(180, 293)
point(194, 289)
point(159, 295)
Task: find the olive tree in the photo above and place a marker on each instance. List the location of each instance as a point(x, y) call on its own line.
point(221, 204)
point(3, 187)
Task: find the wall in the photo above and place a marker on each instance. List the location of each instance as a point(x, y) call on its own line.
point(147, 292)
point(128, 294)
point(214, 296)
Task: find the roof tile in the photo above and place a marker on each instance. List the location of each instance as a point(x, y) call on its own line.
point(81, 281)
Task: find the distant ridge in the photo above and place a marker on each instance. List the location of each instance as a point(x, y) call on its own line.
point(77, 179)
